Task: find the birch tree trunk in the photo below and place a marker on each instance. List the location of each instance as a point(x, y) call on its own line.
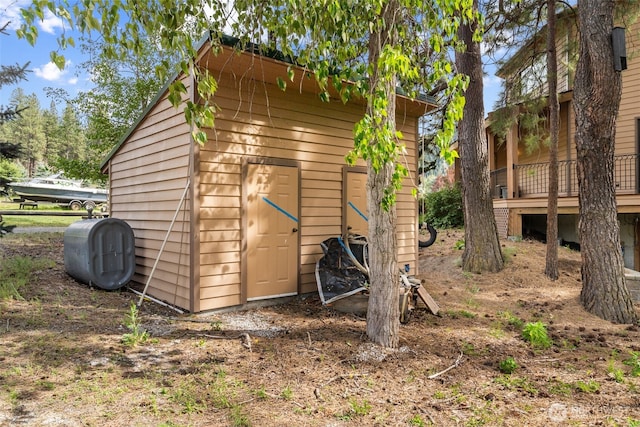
point(383, 315)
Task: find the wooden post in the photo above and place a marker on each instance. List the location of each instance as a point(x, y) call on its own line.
point(512, 159)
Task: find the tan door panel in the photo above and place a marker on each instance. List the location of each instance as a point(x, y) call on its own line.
point(272, 231)
point(356, 203)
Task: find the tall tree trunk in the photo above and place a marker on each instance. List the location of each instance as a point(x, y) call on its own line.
point(596, 103)
point(383, 315)
point(482, 246)
point(551, 267)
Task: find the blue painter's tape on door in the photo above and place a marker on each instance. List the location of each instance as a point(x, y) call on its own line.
point(280, 209)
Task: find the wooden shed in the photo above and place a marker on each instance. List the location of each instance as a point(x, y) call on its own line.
point(242, 217)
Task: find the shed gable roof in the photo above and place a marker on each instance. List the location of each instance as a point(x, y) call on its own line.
point(230, 58)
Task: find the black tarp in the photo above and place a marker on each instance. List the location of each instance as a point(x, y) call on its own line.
point(337, 275)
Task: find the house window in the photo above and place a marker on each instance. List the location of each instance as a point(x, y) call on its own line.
point(533, 78)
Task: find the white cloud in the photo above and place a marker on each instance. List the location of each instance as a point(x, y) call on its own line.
point(50, 23)
point(73, 81)
point(51, 72)
point(10, 12)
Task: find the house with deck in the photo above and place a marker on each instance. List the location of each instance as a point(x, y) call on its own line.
point(519, 165)
point(241, 218)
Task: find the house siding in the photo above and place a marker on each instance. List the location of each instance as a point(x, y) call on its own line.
point(148, 177)
point(203, 261)
point(260, 121)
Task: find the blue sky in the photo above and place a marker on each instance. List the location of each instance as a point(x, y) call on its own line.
point(45, 74)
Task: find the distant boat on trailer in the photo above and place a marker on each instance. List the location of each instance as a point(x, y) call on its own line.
point(56, 189)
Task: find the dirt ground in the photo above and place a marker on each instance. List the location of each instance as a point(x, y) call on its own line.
point(63, 361)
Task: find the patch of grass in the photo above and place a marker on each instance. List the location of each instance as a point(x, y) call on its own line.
point(616, 373)
point(189, 399)
point(512, 382)
point(511, 320)
point(360, 409)
point(508, 365)
point(459, 245)
point(634, 362)
point(468, 349)
point(496, 330)
point(507, 254)
point(238, 417)
point(216, 325)
point(287, 393)
point(484, 416)
point(535, 333)
point(40, 220)
point(439, 394)
point(261, 393)
point(590, 386)
point(456, 314)
point(17, 272)
point(473, 289)
point(138, 335)
point(471, 302)
point(221, 391)
point(417, 421)
point(560, 388)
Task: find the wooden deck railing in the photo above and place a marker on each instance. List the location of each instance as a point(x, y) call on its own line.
point(533, 178)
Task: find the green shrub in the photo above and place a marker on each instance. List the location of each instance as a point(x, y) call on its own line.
point(443, 208)
point(536, 334)
point(138, 335)
point(508, 365)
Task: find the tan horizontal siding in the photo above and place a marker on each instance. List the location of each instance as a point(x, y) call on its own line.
point(297, 127)
point(147, 178)
point(221, 302)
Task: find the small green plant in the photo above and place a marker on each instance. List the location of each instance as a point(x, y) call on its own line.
point(216, 325)
point(417, 421)
point(358, 408)
point(512, 321)
point(633, 422)
point(634, 363)
point(496, 330)
point(511, 382)
point(590, 386)
point(560, 388)
point(238, 417)
point(508, 365)
point(261, 393)
point(137, 334)
point(615, 373)
point(459, 245)
point(287, 393)
point(468, 349)
point(535, 333)
point(439, 394)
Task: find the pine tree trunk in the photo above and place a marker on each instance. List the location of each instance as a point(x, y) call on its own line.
point(482, 246)
point(551, 267)
point(596, 102)
point(383, 315)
